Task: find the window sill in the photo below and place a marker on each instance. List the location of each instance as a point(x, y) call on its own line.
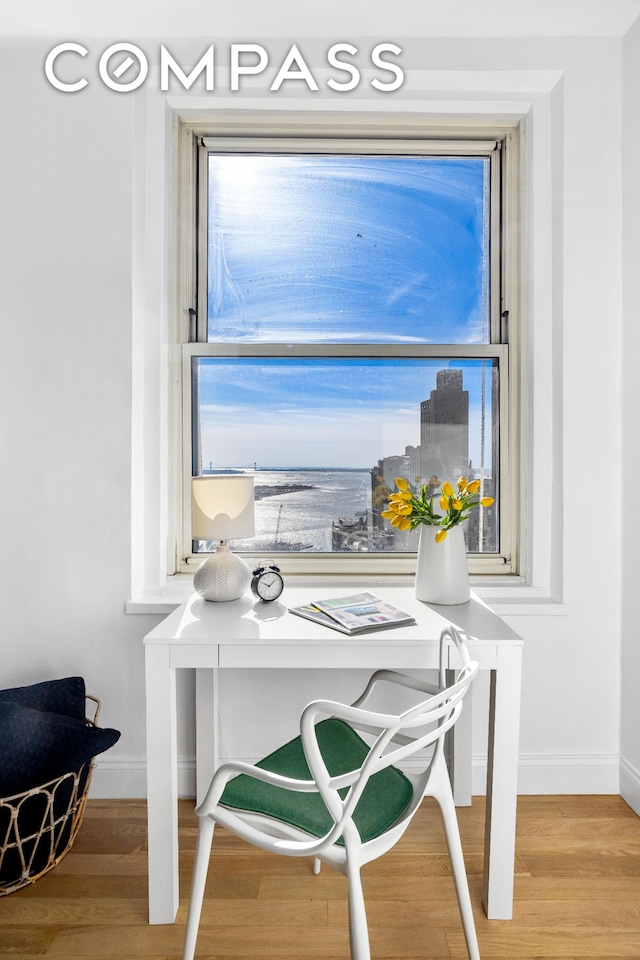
point(164, 599)
point(507, 598)
point(520, 600)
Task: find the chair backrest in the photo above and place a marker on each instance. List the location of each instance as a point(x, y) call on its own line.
point(396, 737)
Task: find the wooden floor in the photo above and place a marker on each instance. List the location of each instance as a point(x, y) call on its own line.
point(577, 893)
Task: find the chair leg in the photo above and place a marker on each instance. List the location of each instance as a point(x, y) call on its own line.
point(317, 863)
point(200, 868)
point(358, 931)
point(452, 834)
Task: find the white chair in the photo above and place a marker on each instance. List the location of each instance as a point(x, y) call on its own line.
point(333, 796)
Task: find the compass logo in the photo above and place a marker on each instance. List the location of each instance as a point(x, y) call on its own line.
point(124, 67)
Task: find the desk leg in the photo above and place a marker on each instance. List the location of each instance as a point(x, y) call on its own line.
point(207, 729)
point(502, 784)
point(459, 749)
point(162, 785)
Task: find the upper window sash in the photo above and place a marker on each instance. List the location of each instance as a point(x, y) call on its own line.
point(346, 147)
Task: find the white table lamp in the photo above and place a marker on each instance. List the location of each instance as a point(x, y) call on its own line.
point(222, 509)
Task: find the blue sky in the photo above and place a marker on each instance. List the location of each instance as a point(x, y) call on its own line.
point(347, 248)
point(323, 413)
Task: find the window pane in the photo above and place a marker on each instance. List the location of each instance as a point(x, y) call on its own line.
point(328, 437)
point(348, 248)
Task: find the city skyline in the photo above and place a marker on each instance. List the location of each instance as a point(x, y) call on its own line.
point(356, 524)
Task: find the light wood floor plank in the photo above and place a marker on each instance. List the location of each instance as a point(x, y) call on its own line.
point(569, 888)
point(105, 864)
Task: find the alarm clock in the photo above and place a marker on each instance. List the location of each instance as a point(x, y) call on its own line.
point(267, 583)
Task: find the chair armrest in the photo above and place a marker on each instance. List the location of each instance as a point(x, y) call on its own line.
point(232, 767)
point(399, 679)
point(450, 635)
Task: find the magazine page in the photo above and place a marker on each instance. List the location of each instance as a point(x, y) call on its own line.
point(363, 611)
point(311, 612)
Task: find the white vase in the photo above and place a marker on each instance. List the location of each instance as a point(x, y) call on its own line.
point(442, 575)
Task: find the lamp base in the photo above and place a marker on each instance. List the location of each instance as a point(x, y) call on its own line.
point(222, 576)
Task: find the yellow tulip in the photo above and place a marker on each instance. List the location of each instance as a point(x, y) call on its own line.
point(444, 503)
point(404, 509)
point(400, 497)
point(440, 535)
point(404, 524)
point(397, 520)
point(474, 486)
point(388, 514)
point(462, 482)
point(486, 501)
point(457, 504)
point(447, 490)
point(401, 483)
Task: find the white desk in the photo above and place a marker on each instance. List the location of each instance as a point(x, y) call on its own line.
point(209, 637)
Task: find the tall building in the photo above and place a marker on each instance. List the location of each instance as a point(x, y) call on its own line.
point(443, 454)
point(444, 428)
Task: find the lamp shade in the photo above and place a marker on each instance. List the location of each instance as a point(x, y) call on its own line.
point(222, 507)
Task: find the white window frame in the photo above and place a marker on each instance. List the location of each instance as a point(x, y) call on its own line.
point(461, 139)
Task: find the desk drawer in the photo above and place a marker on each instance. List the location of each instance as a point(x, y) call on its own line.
point(330, 656)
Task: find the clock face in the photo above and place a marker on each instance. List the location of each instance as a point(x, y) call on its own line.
point(268, 585)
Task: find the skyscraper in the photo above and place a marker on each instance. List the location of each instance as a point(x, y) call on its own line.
point(444, 428)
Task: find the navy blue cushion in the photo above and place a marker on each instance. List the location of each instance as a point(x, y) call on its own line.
point(36, 746)
point(66, 696)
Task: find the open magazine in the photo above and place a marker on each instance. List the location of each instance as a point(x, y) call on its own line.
point(354, 614)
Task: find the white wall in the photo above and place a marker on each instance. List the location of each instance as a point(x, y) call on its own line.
point(71, 175)
point(65, 309)
point(630, 463)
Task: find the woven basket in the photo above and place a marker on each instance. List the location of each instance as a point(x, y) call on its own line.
point(38, 827)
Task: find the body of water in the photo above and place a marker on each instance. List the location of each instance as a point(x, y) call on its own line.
point(302, 519)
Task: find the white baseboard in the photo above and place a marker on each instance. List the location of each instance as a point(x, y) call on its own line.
point(630, 784)
point(126, 777)
point(564, 774)
point(569, 774)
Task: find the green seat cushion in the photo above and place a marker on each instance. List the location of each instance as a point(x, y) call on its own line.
point(385, 797)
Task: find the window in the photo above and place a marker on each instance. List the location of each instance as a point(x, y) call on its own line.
point(348, 327)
